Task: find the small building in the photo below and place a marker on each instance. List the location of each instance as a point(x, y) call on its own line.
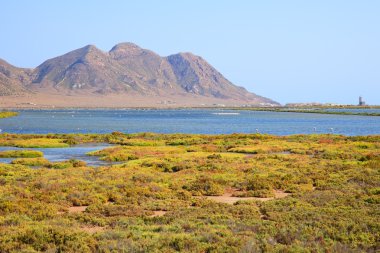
point(361, 101)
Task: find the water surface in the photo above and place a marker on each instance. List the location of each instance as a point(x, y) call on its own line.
point(201, 121)
point(77, 152)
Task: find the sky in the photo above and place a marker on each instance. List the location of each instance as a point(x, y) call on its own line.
point(290, 51)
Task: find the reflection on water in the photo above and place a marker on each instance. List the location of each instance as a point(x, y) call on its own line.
point(77, 152)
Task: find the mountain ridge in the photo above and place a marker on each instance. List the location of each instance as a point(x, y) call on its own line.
point(126, 69)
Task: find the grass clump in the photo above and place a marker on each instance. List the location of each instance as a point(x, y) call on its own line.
point(21, 154)
point(39, 161)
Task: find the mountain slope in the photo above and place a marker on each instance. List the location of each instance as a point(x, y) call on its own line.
point(87, 69)
point(147, 66)
point(13, 79)
point(126, 69)
point(197, 76)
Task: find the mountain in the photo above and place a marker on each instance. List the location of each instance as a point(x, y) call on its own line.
point(126, 70)
point(196, 76)
point(12, 79)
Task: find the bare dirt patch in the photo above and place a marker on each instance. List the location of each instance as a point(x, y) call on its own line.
point(229, 199)
point(77, 209)
point(158, 213)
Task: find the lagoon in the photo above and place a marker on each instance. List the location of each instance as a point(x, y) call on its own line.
point(199, 121)
point(78, 152)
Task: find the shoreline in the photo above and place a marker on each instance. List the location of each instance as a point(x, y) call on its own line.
point(316, 110)
point(134, 134)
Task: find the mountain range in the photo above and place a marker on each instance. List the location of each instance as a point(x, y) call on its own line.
point(91, 77)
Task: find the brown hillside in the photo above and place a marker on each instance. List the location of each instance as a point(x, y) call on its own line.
point(126, 69)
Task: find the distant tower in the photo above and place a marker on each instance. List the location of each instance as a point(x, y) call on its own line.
point(361, 102)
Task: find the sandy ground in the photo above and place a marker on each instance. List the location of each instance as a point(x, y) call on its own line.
point(111, 101)
point(77, 209)
point(229, 199)
point(158, 213)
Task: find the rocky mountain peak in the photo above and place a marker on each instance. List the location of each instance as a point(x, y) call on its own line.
point(125, 49)
point(125, 46)
point(125, 69)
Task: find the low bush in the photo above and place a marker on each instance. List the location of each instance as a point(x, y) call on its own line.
point(20, 154)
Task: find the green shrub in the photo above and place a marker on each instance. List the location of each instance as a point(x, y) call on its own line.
point(39, 161)
point(204, 185)
point(257, 183)
point(21, 154)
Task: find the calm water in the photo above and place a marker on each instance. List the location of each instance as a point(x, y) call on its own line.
point(187, 121)
point(62, 154)
point(355, 110)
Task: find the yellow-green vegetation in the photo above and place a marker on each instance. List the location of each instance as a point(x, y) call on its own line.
point(42, 162)
point(7, 114)
point(34, 143)
point(156, 198)
point(20, 153)
point(53, 140)
point(320, 110)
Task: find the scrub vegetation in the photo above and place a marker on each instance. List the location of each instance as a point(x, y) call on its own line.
point(20, 153)
point(194, 193)
point(7, 114)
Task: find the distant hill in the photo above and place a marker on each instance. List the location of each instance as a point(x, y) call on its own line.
point(126, 70)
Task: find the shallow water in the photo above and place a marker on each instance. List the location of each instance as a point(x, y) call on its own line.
point(61, 154)
point(354, 110)
point(202, 121)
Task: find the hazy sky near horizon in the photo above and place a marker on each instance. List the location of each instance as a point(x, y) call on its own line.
point(290, 51)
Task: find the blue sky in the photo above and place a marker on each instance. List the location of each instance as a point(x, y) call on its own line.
point(290, 51)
